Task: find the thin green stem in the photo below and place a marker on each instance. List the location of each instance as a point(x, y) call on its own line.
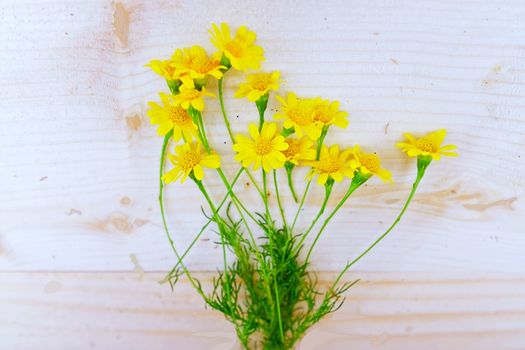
point(261, 105)
point(290, 183)
point(301, 204)
point(265, 198)
point(269, 222)
point(421, 172)
point(217, 219)
point(320, 142)
point(263, 195)
point(357, 181)
point(230, 133)
point(261, 120)
point(225, 118)
point(278, 305)
point(203, 228)
point(236, 201)
point(202, 131)
point(202, 134)
point(254, 182)
point(328, 191)
point(164, 221)
point(197, 117)
point(281, 209)
point(259, 256)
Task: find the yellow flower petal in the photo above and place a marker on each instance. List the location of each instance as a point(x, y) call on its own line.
point(241, 49)
point(428, 145)
point(258, 84)
point(332, 164)
point(298, 114)
point(190, 158)
point(263, 149)
point(171, 116)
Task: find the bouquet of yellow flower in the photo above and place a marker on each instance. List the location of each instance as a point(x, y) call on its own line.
point(268, 292)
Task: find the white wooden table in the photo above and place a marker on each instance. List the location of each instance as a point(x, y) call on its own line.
point(81, 244)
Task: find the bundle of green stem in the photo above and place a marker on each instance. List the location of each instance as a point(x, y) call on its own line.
point(265, 286)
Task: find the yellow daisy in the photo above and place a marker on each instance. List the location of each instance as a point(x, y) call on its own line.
point(165, 69)
point(258, 85)
point(189, 96)
point(298, 114)
point(332, 164)
point(189, 159)
point(369, 163)
point(428, 145)
point(195, 62)
point(299, 150)
point(263, 148)
point(240, 50)
point(328, 113)
point(171, 116)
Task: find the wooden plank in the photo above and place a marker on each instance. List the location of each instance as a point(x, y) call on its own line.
point(132, 311)
point(79, 161)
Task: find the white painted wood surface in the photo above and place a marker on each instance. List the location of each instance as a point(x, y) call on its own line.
point(78, 167)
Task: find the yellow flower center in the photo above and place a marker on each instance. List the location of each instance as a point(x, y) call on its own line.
point(263, 146)
point(189, 160)
point(179, 116)
point(234, 48)
point(189, 95)
point(329, 166)
point(261, 82)
point(321, 115)
point(169, 70)
point(298, 116)
point(292, 150)
point(370, 161)
point(203, 65)
point(427, 144)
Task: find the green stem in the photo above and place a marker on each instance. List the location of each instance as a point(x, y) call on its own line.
point(290, 182)
point(163, 215)
point(250, 176)
point(357, 181)
point(281, 209)
point(259, 256)
point(238, 204)
point(328, 191)
point(261, 104)
point(422, 165)
point(230, 133)
point(236, 201)
point(303, 198)
point(254, 182)
point(197, 117)
point(265, 198)
point(221, 101)
point(320, 142)
point(203, 228)
point(217, 219)
point(278, 305)
point(174, 86)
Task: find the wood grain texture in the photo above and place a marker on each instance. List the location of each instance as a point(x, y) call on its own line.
point(131, 311)
point(78, 168)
